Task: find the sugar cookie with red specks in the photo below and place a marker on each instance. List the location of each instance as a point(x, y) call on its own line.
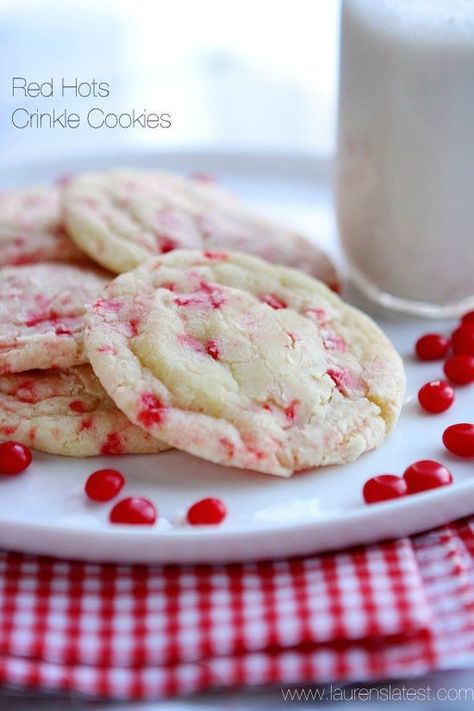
point(122, 218)
point(31, 228)
point(41, 314)
point(67, 412)
point(244, 363)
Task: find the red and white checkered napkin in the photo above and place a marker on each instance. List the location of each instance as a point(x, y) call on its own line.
point(392, 609)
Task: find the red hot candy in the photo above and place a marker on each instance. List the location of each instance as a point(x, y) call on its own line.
point(206, 512)
point(104, 484)
point(426, 474)
point(134, 510)
point(383, 488)
point(432, 346)
point(436, 396)
point(459, 439)
point(460, 369)
point(152, 410)
point(14, 458)
point(463, 339)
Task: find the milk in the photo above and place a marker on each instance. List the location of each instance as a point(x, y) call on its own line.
point(405, 169)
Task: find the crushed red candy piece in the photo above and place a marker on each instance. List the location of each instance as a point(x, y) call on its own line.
point(191, 342)
point(134, 322)
point(86, 424)
point(8, 430)
point(333, 342)
point(274, 301)
point(291, 410)
point(112, 445)
point(42, 317)
point(215, 255)
point(213, 349)
point(167, 245)
point(77, 406)
point(152, 411)
point(318, 314)
point(112, 305)
point(227, 445)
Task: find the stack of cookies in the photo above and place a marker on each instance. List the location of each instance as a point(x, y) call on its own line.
point(199, 344)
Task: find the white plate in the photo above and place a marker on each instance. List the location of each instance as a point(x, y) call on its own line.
point(44, 509)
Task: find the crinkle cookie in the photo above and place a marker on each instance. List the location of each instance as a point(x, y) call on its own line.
point(244, 363)
point(121, 218)
point(31, 228)
point(67, 412)
point(42, 312)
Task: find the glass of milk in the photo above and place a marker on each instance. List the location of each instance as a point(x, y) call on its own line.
point(405, 167)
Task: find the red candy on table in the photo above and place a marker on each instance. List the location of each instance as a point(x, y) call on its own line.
point(459, 439)
point(14, 458)
point(206, 512)
point(426, 474)
point(383, 488)
point(436, 396)
point(432, 346)
point(463, 339)
point(104, 484)
point(134, 510)
point(468, 318)
point(460, 369)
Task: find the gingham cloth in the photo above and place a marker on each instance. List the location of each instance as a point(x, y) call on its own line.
point(389, 610)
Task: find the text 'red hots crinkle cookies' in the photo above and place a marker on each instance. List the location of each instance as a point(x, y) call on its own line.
point(41, 314)
point(244, 363)
point(121, 218)
point(67, 412)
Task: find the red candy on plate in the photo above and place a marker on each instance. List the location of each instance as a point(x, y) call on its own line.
point(134, 510)
point(459, 439)
point(426, 474)
point(432, 346)
point(436, 396)
point(383, 488)
point(460, 369)
point(14, 458)
point(104, 484)
point(206, 512)
point(463, 339)
point(468, 318)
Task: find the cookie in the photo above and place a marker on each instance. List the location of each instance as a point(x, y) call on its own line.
point(67, 412)
point(41, 314)
point(122, 218)
point(244, 363)
point(31, 228)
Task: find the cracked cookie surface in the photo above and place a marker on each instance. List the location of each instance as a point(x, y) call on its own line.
point(121, 218)
point(31, 228)
point(42, 314)
point(244, 363)
point(67, 412)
